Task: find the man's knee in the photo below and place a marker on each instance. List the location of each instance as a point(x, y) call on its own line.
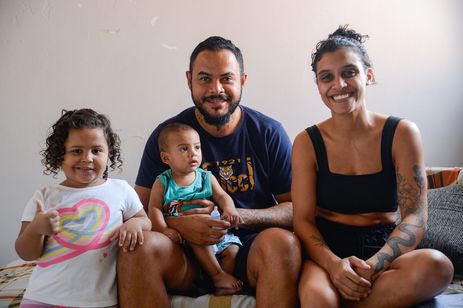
point(275, 249)
point(278, 242)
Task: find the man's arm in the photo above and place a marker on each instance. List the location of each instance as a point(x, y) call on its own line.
point(280, 215)
point(144, 195)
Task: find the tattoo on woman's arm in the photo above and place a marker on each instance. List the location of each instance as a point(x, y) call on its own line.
point(318, 241)
point(394, 242)
point(409, 197)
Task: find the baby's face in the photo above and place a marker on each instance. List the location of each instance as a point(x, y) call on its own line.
point(183, 153)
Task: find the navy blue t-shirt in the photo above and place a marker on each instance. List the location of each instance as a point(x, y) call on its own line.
point(252, 165)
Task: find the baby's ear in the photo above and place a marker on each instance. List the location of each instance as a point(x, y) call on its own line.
point(164, 157)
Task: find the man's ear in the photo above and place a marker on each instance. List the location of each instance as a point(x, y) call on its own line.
point(188, 78)
point(164, 157)
point(244, 77)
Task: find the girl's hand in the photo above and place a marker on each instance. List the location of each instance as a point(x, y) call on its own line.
point(173, 235)
point(350, 285)
point(129, 234)
point(233, 217)
point(45, 222)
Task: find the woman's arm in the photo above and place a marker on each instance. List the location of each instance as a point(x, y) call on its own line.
point(341, 271)
point(411, 196)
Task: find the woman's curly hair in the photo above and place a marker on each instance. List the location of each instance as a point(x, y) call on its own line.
point(343, 37)
point(53, 154)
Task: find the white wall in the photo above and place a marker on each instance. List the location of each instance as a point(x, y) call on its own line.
point(128, 59)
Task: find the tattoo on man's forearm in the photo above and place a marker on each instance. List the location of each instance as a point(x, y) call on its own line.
point(273, 218)
point(394, 243)
point(318, 241)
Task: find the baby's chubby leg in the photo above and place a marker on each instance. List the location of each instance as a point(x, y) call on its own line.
point(223, 281)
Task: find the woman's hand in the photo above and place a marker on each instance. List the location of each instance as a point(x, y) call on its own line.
point(350, 285)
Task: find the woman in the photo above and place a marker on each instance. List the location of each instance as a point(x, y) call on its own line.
point(350, 174)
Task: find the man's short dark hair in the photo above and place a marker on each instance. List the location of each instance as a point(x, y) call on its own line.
point(217, 43)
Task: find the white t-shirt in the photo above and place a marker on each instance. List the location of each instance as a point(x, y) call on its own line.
point(78, 265)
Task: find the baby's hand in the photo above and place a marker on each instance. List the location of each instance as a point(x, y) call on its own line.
point(129, 234)
point(45, 222)
point(173, 235)
point(233, 217)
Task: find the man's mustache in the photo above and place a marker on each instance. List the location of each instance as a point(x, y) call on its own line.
point(222, 96)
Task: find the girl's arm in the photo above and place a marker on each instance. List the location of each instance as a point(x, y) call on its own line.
point(130, 234)
point(411, 195)
point(303, 189)
point(31, 239)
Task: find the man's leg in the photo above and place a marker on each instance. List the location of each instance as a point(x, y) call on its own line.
point(273, 267)
point(144, 275)
point(412, 278)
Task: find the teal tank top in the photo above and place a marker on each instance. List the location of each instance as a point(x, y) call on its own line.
point(174, 195)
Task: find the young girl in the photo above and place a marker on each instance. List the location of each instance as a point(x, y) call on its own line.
point(176, 190)
point(71, 228)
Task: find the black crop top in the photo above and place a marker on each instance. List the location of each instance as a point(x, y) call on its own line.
point(355, 194)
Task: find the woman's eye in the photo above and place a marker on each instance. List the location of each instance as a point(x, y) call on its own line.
point(325, 77)
point(349, 73)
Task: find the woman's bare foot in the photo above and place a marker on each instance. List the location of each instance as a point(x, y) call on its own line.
point(226, 284)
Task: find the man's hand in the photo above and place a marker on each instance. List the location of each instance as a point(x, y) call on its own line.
point(173, 235)
point(199, 229)
point(207, 206)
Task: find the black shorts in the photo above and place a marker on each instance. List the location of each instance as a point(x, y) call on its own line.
point(203, 283)
point(345, 241)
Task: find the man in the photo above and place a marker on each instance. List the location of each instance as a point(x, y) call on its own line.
point(250, 154)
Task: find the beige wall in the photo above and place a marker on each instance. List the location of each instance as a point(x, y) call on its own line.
point(128, 59)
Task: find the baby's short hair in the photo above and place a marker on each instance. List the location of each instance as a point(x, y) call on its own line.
point(167, 130)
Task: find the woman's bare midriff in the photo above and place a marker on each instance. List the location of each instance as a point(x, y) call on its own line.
point(360, 220)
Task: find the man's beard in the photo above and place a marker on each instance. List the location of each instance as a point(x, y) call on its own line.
point(217, 120)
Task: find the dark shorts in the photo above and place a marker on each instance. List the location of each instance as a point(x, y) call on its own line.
point(203, 283)
point(345, 241)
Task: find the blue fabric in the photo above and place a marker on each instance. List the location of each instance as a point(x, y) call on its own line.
point(201, 188)
point(354, 194)
point(253, 164)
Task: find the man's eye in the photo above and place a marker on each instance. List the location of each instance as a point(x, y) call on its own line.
point(204, 78)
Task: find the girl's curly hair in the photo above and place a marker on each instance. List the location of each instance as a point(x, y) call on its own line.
point(53, 154)
point(343, 37)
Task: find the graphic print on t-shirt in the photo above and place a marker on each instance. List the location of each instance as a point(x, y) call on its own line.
point(233, 174)
point(83, 227)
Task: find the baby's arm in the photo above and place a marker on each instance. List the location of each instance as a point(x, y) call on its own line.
point(155, 213)
point(31, 238)
point(225, 202)
point(131, 232)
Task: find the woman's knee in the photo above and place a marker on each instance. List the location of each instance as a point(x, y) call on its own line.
point(315, 288)
point(439, 266)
